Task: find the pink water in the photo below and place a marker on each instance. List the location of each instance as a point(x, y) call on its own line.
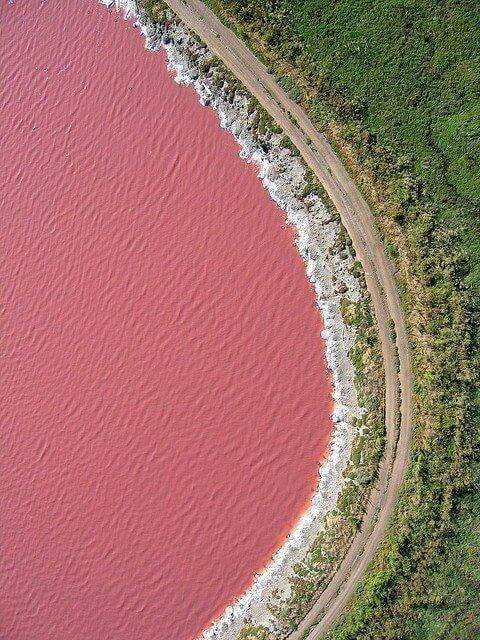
point(165, 401)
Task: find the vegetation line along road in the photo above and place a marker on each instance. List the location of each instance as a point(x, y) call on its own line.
point(358, 221)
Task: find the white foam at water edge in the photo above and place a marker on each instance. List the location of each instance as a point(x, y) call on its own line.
point(283, 175)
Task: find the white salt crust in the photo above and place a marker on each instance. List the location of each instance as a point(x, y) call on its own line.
point(329, 270)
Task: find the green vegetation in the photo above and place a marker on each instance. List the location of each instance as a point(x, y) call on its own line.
point(395, 85)
point(406, 73)
point(450, 615)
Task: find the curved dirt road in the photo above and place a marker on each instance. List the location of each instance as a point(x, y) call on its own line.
point(358, 221)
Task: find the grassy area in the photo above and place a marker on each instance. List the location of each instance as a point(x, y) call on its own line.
point(395, 85)
point(412, 69)
point(408, 72)
point(457, 578)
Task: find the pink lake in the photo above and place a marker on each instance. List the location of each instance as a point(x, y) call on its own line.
point(165, 398)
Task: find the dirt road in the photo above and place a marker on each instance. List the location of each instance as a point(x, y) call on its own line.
point(358, 221)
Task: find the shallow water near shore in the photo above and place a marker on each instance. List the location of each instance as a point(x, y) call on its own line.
point(167, 400)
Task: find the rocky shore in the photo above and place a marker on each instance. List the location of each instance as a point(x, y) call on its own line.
point(329, 266)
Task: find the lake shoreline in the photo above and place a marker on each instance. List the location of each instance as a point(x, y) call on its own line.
point(328, 266)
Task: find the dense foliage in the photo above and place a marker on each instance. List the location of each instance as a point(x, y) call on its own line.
point(395, 85)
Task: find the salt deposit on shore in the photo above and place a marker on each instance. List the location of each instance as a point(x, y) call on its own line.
point(328, 267)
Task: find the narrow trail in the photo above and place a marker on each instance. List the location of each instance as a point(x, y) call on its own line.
point(358, 221)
